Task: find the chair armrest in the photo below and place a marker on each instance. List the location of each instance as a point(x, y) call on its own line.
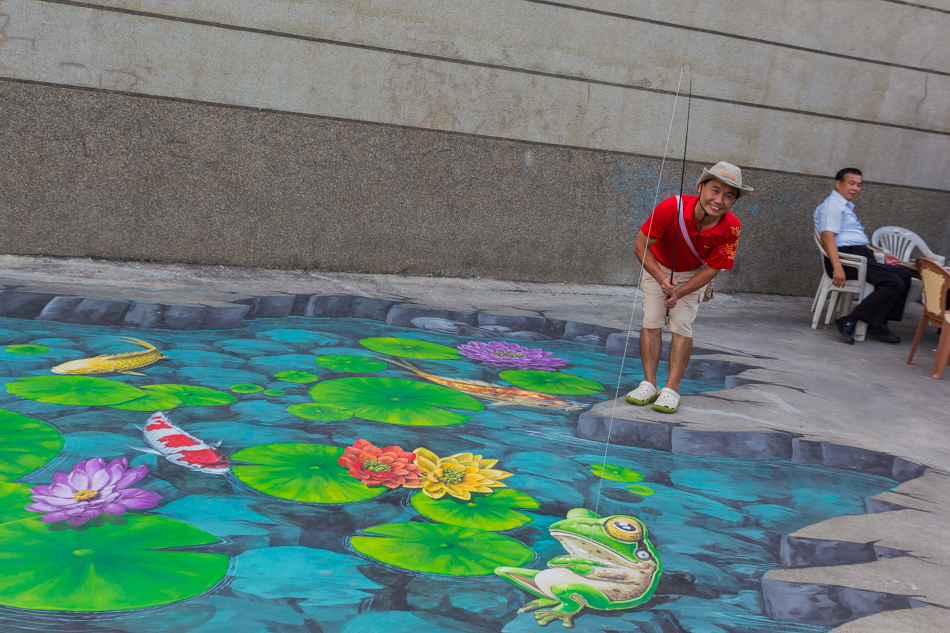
point(879, 257)
point(852, 261)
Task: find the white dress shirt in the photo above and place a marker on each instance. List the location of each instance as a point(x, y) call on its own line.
point(836, 214)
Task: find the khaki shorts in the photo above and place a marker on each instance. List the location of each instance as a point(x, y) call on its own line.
point(681, 316)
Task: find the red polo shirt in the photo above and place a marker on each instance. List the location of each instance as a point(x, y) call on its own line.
point(716, 245)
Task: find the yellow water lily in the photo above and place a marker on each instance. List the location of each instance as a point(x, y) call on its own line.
point(457, 475)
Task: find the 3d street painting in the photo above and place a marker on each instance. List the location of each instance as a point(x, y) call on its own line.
point(318, 474)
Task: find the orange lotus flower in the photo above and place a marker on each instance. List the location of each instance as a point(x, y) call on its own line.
point(389, 466)
point(457, 475)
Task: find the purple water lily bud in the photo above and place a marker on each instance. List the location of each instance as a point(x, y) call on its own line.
point(91, 489)
point(502, 354)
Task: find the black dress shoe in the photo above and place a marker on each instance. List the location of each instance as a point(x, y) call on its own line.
point(882, 333)
point(845, 327)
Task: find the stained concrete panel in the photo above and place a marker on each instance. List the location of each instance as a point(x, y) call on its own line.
point(92, 174)
point(87, 47)
point(559, 40)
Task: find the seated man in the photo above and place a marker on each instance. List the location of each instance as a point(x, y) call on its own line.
point(841, 232)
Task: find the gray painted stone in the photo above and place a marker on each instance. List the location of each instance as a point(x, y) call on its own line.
point(370, 308)
point(905, 470)
point(525, 335)
point(84, 311)
point(712, 370)
point(591, 339)
point(269, 307)
point(223, 317)
point(812, 552)
point(806, 451)
point(573, 330)
point(328, 306)
point(173, 317)
point(616, 343)
point(300, 305)
point(824, 605)
point(18, 304)
point(468, 317)
point(853, 458)
point(625, 432)
point(402, 315)
point(732, 444)
point(875, 506)
point(515, 322)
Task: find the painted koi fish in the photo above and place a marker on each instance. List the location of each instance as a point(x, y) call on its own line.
point(182, 448)
point(501, 395)
point(120, 363)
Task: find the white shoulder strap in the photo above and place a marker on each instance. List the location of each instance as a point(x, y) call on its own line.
point(684, 232)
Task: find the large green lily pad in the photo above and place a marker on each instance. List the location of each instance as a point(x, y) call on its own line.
point(396, 400)
point(614, 472)
point(27, 349)
point(301, 472)
point(74, 390)
point(320, 412)
point(193, 396)
point(25, 444)
point(441, 549)
point(557, 383)
point(493, 512)
point(354, 364)
point(13, 501)
point(154, 401)
point(115, 564)
point(410, 348)
point(302, 377)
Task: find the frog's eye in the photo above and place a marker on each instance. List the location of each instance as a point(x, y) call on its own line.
point(643, 554)
point(626, 529)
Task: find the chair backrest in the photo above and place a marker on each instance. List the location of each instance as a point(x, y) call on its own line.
point(821, 247)
point(936, 280)
point(900, 242)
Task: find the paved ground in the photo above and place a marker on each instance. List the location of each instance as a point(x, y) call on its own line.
point(804, 382)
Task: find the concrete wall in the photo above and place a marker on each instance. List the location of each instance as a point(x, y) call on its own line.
point(518, 139)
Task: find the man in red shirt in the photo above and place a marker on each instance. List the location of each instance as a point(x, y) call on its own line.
point(706, 233)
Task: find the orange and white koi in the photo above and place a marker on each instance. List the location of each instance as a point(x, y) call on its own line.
point(501, 395)
point(182, 448)
point(107, 363)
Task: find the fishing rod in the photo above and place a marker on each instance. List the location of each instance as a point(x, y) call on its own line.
point(633, 310)
point(676, 233)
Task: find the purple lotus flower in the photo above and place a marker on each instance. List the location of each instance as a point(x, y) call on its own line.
point(501, 354)
point(91, 489)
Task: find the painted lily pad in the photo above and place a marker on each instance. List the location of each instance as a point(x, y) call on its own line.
point(193, 396)
point(275, 393)
point(556, 383)
point(616, 473)
point(302, 377)
point(355, 364)
point(410, 348)
point(74, 390)
point(25, 444)
point(301, 472)
point(244, 388)
point(114, 565)
point(441, 549)
point(396, 401)
point(643, 491)
point(320, 412)
point(13, 501)
point(27, 349)
point(156, 401)
point(493, 512)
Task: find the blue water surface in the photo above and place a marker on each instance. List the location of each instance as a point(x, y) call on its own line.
point(715, 522)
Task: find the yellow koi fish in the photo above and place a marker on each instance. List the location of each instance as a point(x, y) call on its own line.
point(501, 395)
point(119, 363)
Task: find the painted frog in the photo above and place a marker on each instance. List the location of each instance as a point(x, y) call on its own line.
point(610, 565)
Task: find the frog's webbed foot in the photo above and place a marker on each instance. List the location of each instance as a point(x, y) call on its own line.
point(537, 604)
point(546, 616)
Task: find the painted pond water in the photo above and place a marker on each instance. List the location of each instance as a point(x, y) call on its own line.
point(277, 557)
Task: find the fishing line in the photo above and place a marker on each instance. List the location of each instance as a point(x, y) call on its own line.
point(676, 234)
point(656, 197)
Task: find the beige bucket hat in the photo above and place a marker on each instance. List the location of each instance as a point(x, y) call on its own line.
point(726, 173)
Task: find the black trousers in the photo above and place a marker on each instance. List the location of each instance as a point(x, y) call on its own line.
point(891, 285)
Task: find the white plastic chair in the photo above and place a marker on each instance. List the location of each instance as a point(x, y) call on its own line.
point(841, 298)
point(900, 243)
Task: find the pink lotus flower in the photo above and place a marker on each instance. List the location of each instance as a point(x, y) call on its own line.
point(502, 354)
point(91, 489)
